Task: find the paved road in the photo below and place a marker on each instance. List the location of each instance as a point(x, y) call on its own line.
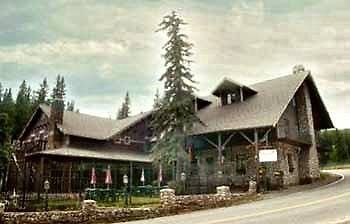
point(328, 204)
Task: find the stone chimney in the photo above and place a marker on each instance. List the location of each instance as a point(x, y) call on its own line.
point(298, 68)
point(56, 118)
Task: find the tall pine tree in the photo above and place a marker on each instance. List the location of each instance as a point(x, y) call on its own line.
point(23, 108)
point(59, 90)
point(124, 111)
point(42, 93)
point(157, 100)
point(176, 114)
point(70, 105)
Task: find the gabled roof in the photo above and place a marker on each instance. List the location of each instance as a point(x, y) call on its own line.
point(97, 153)
point(94, 127)
point(263, 109)
point(227, 85)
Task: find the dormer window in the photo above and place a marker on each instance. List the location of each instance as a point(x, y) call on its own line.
point(231, 92)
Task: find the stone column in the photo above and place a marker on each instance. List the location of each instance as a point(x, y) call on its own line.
point(2, 211)
point(223, 190)
point(252, 187)
point(308, 158)
point(167, 198)
point(89, 209)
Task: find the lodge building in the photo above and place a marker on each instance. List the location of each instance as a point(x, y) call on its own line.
point(238, 121)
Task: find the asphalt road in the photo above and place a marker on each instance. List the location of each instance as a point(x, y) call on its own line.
point(327, 204)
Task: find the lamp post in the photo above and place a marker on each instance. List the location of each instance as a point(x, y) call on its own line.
point(47, 188)
point(125, 182)
point(183, 179)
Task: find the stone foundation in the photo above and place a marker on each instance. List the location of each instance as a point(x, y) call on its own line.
point(170, 204)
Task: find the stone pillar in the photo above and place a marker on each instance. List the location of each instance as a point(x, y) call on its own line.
point(2, 211)
point(252, 187)
point(89, 205)
point(313, 161)
point(167, 198)
point(223, 191)
point(308, 163)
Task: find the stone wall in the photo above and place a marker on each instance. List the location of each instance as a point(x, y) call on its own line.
point(170, 204)
point(223, 198)
point(89, 214)
point(308, 163)
point(290, 174)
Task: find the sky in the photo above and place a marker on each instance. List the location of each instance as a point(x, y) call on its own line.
point(104, 48)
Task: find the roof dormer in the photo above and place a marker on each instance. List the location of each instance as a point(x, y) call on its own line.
point(230, 92)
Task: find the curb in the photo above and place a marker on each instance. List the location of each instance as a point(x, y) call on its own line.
point(342, 177)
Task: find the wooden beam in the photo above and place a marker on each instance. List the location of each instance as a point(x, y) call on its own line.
point(211, 143)
point(247, 138)
point(131, 177)
point(256, 144)
point(265, 137)
point(228, 139)
point(241, 93)
point(220, 148)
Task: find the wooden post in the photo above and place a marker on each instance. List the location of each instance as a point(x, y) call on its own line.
point(24, 188)
point(219, 150)
point(70, 177)
point(80, 176)
point(131, 176)
point(241, 94)
point(256, 145)
point(41, 177)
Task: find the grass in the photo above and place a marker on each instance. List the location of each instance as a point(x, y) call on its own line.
point(136, 202)
point(334, 166)
point(53, 204)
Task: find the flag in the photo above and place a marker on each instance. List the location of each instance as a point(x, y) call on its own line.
point(142, 179)
point(93, 177)
point(160, 174)
point(108, 179)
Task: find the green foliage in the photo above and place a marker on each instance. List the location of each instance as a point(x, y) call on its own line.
point(23, 108)
point(4, 145)
point(124, 111)
point(335, 146)
point(41, 95)
point(174, 113)
point(70, 105)
point(59, 91)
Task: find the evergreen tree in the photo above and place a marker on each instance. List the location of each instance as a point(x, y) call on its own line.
point(59, 91)
point(1, 93)
point(4, 146)
point(70, 105)
point(176, 114)
point(41, 93)
point(23, 108)
point(124, 111)
point(157, 100)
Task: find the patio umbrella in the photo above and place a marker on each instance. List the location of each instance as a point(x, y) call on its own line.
point(142, 179)
point(108, 179)
point(190, 153)
point(93, 177)
point(160, 175)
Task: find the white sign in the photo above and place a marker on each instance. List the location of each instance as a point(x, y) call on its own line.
point(268, 155)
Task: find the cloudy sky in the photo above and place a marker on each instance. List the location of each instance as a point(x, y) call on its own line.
point(107, 47)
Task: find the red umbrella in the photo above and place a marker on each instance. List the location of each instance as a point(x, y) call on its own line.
point(93, 177)
point(108, 179)
point(160, 175)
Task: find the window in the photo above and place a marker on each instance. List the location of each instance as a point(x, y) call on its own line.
point(290, 162)
point(241, 164)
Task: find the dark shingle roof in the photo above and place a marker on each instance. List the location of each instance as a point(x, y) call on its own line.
point(98, 153)
point(89, 126)
point(263, 109)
